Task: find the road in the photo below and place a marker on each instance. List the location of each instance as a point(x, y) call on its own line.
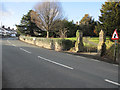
point(29, 66)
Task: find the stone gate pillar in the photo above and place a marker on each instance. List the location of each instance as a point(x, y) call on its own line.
point(79, 42)
point(101, 48)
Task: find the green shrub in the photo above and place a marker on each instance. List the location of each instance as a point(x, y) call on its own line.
point(110, 51)
point(66, 44)
point(46, 40)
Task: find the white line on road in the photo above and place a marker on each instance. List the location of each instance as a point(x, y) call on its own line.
point(55, 62)
point(78, 56)
point(69, 54)
point(95, 60)
point(115, 65)
point(9, 42)
point(81, 57)
point(13, 45)
point(88, 58)
point(115, 83)
point(25, 50)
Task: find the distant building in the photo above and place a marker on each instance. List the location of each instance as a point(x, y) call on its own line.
point(7, 32)
point(77, 23)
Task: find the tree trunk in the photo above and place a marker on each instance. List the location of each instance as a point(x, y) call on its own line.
point(47, 34)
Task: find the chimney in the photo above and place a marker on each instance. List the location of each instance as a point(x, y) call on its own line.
point(77, 23)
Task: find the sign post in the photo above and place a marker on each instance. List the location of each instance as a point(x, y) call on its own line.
point(115, 37)
point(115, 53)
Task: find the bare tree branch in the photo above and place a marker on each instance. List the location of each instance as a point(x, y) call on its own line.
point(47, 14)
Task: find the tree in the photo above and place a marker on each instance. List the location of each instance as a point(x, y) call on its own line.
point(72, 28)
point(98, 28)
point(87, 25)
point(48, 14)
point(65, 28)
point(61, 29)
point(110, 17)
point(27, 26)
point(86, 19)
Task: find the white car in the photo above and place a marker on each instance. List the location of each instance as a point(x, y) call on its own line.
point(13, 35)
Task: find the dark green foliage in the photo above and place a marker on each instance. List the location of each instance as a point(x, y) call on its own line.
point(110, 18)
point(98, 28)
point(103, 51)
point(87, 25)
point(65, 28)
point(66, 44)
point(46, 40)
point(72, 28)
point(110, 52)
point(27, 27)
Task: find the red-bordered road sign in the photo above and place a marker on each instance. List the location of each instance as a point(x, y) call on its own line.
point(115, 35)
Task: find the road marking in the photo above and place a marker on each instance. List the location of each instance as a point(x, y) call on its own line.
point(78, 56)
point(25, 50)
point(95, 60)
point(9, 42)
point(68, 54)
point(82, 57)
point(55, 62)
point(115, 65)
point(88, 58)
point(115, 83)
point(13, 45)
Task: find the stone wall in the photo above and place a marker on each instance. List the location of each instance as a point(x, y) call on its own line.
point(57, 45)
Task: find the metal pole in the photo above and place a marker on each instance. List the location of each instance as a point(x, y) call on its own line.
point(118, 54)
point(115, 51)
point(117, 57)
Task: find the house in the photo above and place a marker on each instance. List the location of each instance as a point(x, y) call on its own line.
point(7, 32)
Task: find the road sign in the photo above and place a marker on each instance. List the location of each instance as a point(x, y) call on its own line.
point(115, 35)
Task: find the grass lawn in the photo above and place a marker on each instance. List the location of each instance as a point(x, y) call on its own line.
point(72, 38)
point(95, 40)
point(108, 42)
point(91, 39)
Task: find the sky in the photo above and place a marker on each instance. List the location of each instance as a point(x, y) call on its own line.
point(11, 11)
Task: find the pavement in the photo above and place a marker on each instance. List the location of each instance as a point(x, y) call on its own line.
point(29, 66)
